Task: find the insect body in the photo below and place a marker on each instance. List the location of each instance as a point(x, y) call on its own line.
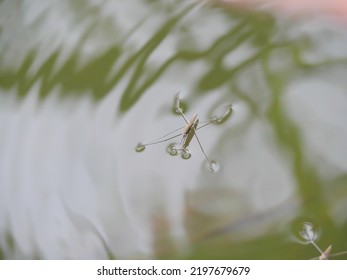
point(189, 131)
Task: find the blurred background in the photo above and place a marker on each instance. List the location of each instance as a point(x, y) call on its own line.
point(83, 82)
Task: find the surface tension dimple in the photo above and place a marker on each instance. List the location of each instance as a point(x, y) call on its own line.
point(140, 147)
point(226, 115)
point(213, 166)
point(172, 150)
point(186, 154)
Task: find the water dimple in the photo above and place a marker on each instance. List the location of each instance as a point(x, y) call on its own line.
point(186, 154)
point(221, 119)
point(172, 150)
point(308, 233)
point(140, 147)
point(179, 105)
point(305, 230)
point(213, 166)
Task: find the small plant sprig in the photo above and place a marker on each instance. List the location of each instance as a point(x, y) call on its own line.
point(310, 235)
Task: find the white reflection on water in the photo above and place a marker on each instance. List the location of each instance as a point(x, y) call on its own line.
point(71, 183)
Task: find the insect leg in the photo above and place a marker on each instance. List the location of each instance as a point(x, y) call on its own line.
point(202, 149)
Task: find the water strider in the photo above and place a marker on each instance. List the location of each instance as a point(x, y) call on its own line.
point(309, 235)
point(189, 131)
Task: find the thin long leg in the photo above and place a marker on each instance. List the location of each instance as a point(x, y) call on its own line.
point(182, 140)
point(186, 120)
point(157, 140)
point(161, 141)
point(206, 124)
point(339, 254)
point(180, 128)
point(317, 247)
point(167, 134)
point(180, 111)
point(202, 149)
point(333, 255)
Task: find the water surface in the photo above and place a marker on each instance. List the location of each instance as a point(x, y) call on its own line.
point(82, 83)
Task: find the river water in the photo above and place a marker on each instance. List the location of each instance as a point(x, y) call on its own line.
point(82, 83)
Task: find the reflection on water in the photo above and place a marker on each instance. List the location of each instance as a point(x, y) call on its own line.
point(171, 149)
point(140, 147)
point(82, 83)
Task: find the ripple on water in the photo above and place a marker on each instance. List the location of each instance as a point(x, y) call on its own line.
point(226, 115)
point(140, 147)
point(213, 166)
point(186, 154)
point(305, 231)
point(172, 150)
